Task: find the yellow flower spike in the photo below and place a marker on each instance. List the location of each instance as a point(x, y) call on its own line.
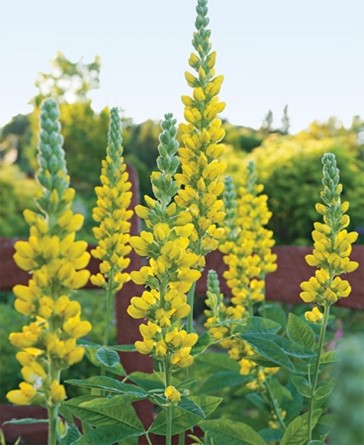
point(332, 242)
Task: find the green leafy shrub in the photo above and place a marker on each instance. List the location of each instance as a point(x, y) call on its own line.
point(16, 194)
point(286, 167)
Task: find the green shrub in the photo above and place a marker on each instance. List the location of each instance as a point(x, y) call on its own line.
point(16, 194)
point(289, 169)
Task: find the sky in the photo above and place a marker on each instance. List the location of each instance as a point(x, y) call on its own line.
point(306, 54)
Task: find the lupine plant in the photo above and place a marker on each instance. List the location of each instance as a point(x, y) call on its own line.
point(56, 262)
point(201, 176)
point(113, 215)
point(279, 366)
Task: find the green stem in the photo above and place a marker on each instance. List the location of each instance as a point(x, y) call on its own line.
point(52, 424)
point(109, 307)
point(275, 406)
point(169, 413)
point(190, 301)
point(317, 368)
point(148, 438)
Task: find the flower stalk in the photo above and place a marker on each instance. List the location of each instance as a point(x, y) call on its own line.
point(112, 214)
point(57, 264)
point(331, 257)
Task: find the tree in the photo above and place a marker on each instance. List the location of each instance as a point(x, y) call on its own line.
point(266, 126)
point(285, 121)
point(69, 83)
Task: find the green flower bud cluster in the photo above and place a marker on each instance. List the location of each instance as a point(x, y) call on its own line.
point(52, 173)
point(229, 198)
point(163, 185)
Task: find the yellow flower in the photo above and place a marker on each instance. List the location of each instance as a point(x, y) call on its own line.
point(22, 396)
point(172, 394)
point(314, 316)
point(57, 393)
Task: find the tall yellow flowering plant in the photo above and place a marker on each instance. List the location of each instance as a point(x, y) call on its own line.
point(247, 253)
point(331, 257)
point(113, 215)
point(56, 262)
point(201, 176)
point(169, 274)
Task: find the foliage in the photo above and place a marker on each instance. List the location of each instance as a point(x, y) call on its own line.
point(286, 168)
point(17, 193)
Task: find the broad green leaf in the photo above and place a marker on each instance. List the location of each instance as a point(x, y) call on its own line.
point(191, 407)
point(218, 360)
point(183, 420)
point(107, 435)
point(259, 325)
point(269, 350)
point(91, 354)
point(221, 379)
point(123, 348)
point(297, 430)
point(25, 421)
point(271, 434)
point(72, 435)
point(300, 332)
point(323, 390)
point(316, 442)
point(108, 357)
point(274, 312)
point(105, 411)
point(302, 386)
point(203, 343)
point(109, 384)
point(150, 382)
point(293, 348)
point(227, 432)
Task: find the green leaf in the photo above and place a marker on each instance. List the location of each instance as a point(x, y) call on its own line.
point(300, 332)
point(296, 432)
point(26, 421)
point(293, 348)
point(323, 390)
point(105, 411)
point(221, 379)
point(302, 386)
point(268, 349)
point(150, 382)
point(107, 435)
point(274, 312)
point(316, 442)
point(91, 353)
point(257, 325)
point(227, 432)
point(218, 360)
point(72, 435)
point(107, 357)
point(183, 419)
point(109, 384)
point(202, 344)
point(123, 348)
point(329, 357)
point(271, 434)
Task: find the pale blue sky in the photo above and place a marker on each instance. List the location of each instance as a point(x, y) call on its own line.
point(307, 54)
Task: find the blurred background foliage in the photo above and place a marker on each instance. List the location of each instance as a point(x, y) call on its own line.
point(287, 164)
